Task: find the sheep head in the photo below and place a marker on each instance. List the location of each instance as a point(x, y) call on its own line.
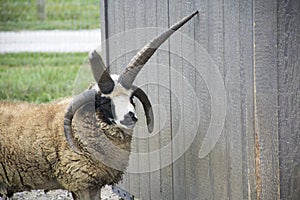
point(113, 94)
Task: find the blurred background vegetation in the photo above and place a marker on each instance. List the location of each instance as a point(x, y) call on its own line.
point(38, 77)
point(42, 77)
point(59, 14)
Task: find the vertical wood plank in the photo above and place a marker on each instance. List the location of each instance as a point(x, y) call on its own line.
point(265, 88)
point(116, 61)
point(233, 123)
point(247, 101)
point(149, 177)
point(142, 179)
point(107, 21)
point(189, 72)
point(218, 169)
point(111, 32)
point(176, 84)
point(152, 71)
point(202, 165)
point(104, 27)
point(289, 98)
point(145, 182)
point(141, 146)
point(164, 102)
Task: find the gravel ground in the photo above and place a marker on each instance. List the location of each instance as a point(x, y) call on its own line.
point(106, 194)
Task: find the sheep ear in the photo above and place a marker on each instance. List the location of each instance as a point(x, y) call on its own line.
point(78, 101)
point(141, 95)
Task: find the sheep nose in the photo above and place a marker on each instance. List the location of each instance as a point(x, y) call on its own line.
point(131, 116)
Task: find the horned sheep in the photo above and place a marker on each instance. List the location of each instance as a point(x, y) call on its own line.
point(79, 144)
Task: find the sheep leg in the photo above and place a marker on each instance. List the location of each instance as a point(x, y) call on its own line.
point(93, 194)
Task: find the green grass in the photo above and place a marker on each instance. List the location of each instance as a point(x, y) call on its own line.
point(60, 14)
point(38, 77)
point(42, 77)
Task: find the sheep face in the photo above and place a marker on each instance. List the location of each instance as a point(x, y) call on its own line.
point(118, 105)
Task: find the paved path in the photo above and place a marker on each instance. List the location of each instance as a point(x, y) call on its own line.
point(49, 41)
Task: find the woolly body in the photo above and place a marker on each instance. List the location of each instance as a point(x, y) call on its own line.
point(34, 153)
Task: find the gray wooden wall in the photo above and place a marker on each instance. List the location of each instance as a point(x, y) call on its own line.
point(255, 47)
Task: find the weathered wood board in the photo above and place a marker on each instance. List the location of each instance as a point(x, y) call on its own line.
point(252, 49)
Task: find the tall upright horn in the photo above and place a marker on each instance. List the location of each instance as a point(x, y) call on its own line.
point(97, 65)
point(137, 62)
point(101, 73)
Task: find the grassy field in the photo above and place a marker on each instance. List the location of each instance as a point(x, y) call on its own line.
point(60, 14)
point(42, 77)
point(38, 77)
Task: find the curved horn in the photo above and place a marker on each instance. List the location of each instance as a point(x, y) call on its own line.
point(138, 61)
point(101, 73)
point(141, 95)
point(77, 102)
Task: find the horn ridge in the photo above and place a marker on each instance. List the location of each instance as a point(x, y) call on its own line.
point(76, 103)
point(138, 61)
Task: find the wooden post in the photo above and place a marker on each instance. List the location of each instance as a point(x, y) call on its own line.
point(41, 9)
